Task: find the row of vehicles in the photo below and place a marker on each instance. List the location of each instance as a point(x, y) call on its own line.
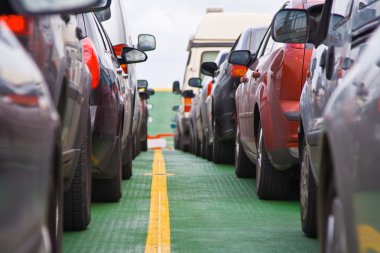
point(72, 115)
point(304, 116)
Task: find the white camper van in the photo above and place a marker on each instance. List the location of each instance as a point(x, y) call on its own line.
point(217, 31)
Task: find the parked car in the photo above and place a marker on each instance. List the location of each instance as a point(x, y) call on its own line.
point(115, 22)
point(53, 42)
point(106, 110)
point(33, 179)
point(198, 113)
point(336, 51)
point(269, 112)
point(204, 46)
point(223, 95)
point(348, 169)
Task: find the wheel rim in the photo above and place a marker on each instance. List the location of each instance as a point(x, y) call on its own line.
point(304, 184)
point(259, 157)
point(335, 229)
point(237, 147)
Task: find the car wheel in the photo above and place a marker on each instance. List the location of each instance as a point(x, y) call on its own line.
point(134, 146)
point(184, 148)
point(127, 167)
point(334, 240)
point(244, 168)
point(308, 199)
point(197, 151)
point(144, 145)
point(56, 206)
point(109, 190)
point(77, 199)
point(203, 147)
point(223, 152)
point(270, 183)
point(176, 142)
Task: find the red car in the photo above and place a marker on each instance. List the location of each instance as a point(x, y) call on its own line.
point(267, 104)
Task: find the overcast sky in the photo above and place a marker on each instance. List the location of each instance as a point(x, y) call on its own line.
point(173, 22)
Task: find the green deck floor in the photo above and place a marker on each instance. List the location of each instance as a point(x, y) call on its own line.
point(210, 209)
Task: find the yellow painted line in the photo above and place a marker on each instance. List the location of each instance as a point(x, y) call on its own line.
point(163, 89)
point(369, 238)
point(158, 239)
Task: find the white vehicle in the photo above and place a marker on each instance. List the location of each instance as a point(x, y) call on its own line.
point(217, 31)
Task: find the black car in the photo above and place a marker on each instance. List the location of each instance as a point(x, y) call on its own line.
point(223, 96)
point(339, 36)
point(31, 154)
point(106, 110)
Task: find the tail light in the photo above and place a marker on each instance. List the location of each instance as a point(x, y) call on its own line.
point(118, 48)
point(297, 46)
point(20, 25)
point(238, 70)
point(187, 104)
point(92, 61)
point(209, 88)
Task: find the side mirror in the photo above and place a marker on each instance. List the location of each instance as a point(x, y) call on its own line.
point(44, 7)
point(133, 55)
point(290, 26)
point(188, 94)
point(142, 84)
point(241, 57)
point(175, 108)
point(173, 126)
point(146, 42)
point(176, 89)
point(143, 95)
point(209, 68)
point(150, 91)
point(195, 82)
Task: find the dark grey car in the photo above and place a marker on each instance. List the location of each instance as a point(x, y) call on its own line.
point(341, 33)
point(223, 97)
point(349, 168)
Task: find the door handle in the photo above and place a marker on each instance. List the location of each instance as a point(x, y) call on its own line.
point(119, 71)
point(256, 74)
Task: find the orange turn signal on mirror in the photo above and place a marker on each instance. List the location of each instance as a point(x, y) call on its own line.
point(238, 70)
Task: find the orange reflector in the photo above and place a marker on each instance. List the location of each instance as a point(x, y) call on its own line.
point(238, 70)
point(18, 24)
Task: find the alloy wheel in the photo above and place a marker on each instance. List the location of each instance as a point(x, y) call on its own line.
point(304, 184)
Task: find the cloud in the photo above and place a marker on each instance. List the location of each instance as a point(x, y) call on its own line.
point(173, 22)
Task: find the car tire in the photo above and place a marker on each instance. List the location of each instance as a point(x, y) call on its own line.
point(144, 145)
point(209, 154)
point(184, 148)
point(308, 198)
point(270, 183)
point(77, 199)
point(223, 151)
point(244, 168)
point(109, 190)
point(203, 147)
point(127, 167)
point(176, 142)
point(55, 212)
point(334, 239)
point(197, 147)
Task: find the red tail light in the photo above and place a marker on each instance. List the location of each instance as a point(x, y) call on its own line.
point(209, 88)
point(238, 71)
point(187, 104)
point(18, 24)
point(297, 46)
point(92, 61)
point(118, 49)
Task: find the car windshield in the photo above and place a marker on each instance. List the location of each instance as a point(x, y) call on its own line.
point(367, 12)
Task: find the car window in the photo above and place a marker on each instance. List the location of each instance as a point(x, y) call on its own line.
point(340, 13)
point(367, 11)
point(269, 46)
point(244, 40)
point(256, 38)
point(263, 44)
point(236, 43)
point(208, 56)
point(104, 37)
